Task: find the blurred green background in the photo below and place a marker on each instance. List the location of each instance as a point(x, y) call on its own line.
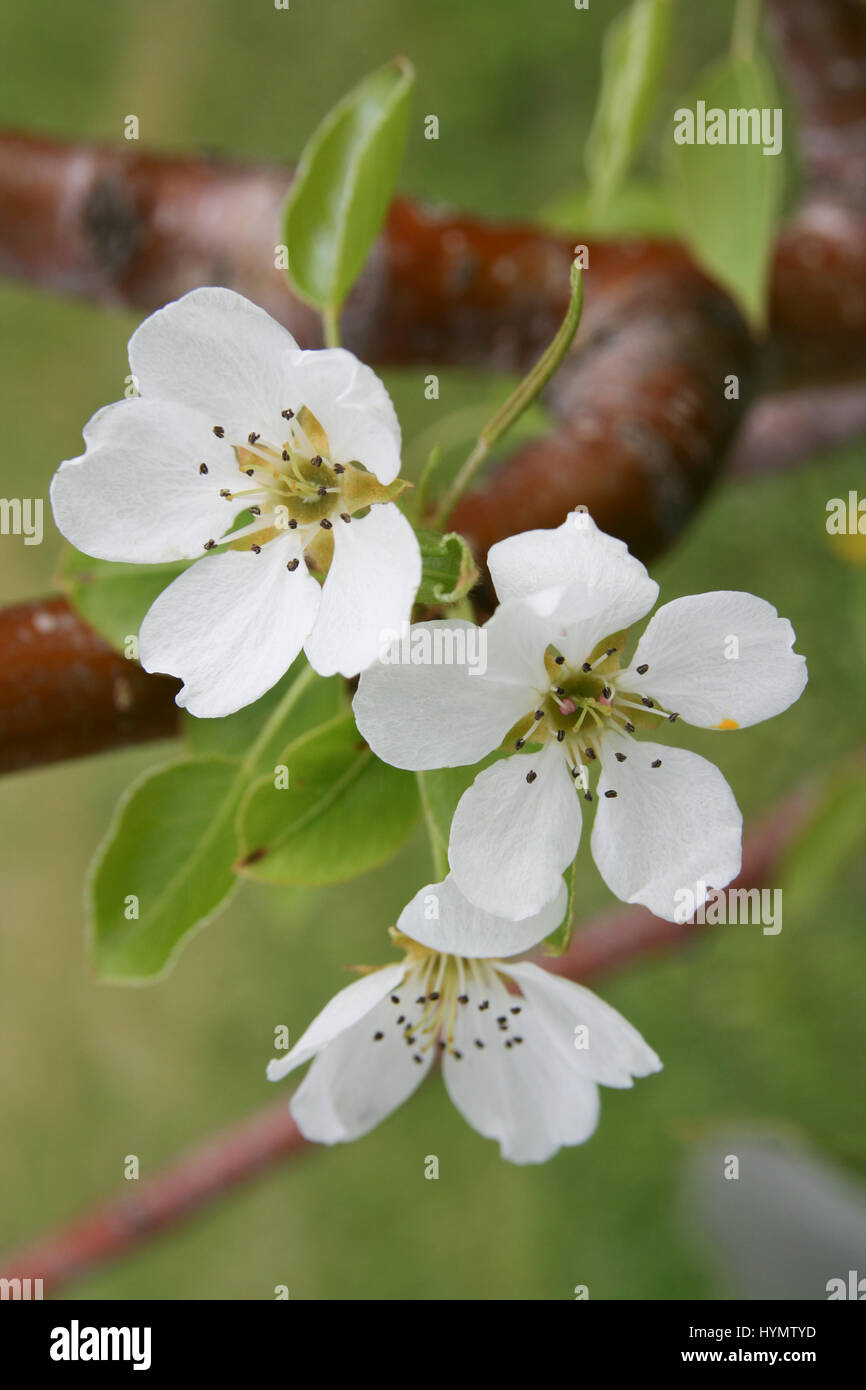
point(756, 1032)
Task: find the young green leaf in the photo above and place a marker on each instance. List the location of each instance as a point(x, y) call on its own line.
point(339, 812)
point(164, 867)
point(448, 569)
point(232, 736)
point(113, 598)
point(727, 196)
point(635, 48)
point(344, 183)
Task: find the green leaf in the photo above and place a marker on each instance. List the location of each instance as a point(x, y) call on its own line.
point(113, 598)
point(342, 813)
point(727, 196)
point(835, 830)
point(345, 179)
point(232, 736)
point(635, 49)
point(448, 569)
point(170, 847)
point(638, 208)
point(559, 941)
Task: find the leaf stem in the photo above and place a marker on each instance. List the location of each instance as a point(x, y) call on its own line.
point(331, 326)
point(438, 851)
point(284, 706)
point(522, 397)
point(745, 28)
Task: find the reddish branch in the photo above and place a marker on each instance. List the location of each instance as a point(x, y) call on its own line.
point(245, 1150)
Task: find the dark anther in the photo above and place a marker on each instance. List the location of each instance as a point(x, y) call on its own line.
point(457, 1056)
point(657, 762)
point(322, 491)
point(225, 492)
point(484, 1005)
point(256, 549)
point(620, 757)
point(478, 1042)
point(218, 431)
point(560, 735)
point(202, 468)
point(249, 472)
point(422, 999)
point(256, 511)
point(292, 565)
point(610, 793)
point(516, 1009)
point(395, 999)
point(286, 456)
point(442, 1044)
point(605, 690)
point(629, 727)
point(539, 714)
point(292, 524)
point(508, 1042)
point(531, 776)
point(417, 1057)
point(344, 516)
point(287, 414)
point(645, 700)
point(674, 717)
point(253, 438)
point(210, 545)
point(516, 1041)
point(325, 524)
point(611, 651)
point(590, 753)
point(338, 468)
point(502, 1019)
point(587, 796)
point(401, 1019)
point(463, 999)
point(520, 742)
point(316, 460)
point(377, 1037)
point(642, 670)
point(586, 666)
point(560, 660)
point(559, 690)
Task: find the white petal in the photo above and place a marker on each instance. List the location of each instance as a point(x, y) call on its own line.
point(339, 1015)
point(358, 1080)
point(459, 928)
point(353, 407)
point(516, 638)
point(368, 592)
point(435, 714)
point(720, 659)
point(511, 840)
point(230, 626)
point(575, 554)
point(137, 494)
point(607, 1049)
point(218, 352)
point(525, 1095)
point(669, 830)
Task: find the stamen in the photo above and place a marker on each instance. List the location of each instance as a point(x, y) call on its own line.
point(218, 431)
point(377, 1037)
point(210, 545)
point(325, 524)
point(560, 735)
point(253, 438)
point(225, 492)
point(316, 460)
point(287, 414)
point(344, 516)
point(560, 660)
point(610, 793)
point(620, 757)
point(256, 549)
point(642, 670)
point(531, 776)
point(657, 762)
point(202, 468)
point(338, 468)
point(292, 565)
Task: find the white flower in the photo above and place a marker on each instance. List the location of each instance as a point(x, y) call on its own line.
point(523, 1068)
point(666, 818)
point(233, 417)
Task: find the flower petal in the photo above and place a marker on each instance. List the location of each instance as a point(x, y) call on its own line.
point(216, 351)
point(359, 1079)
point(722, 660)
point(369, 591)
point(670, 829)
point(524, 1095)
point(460, 928)
point(435, 714)
point(339, 1015)
point(353, 407)
point(575, 554)
point(607, 1049)
point(512, 840)
point(231, 626)
point(137, 494)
